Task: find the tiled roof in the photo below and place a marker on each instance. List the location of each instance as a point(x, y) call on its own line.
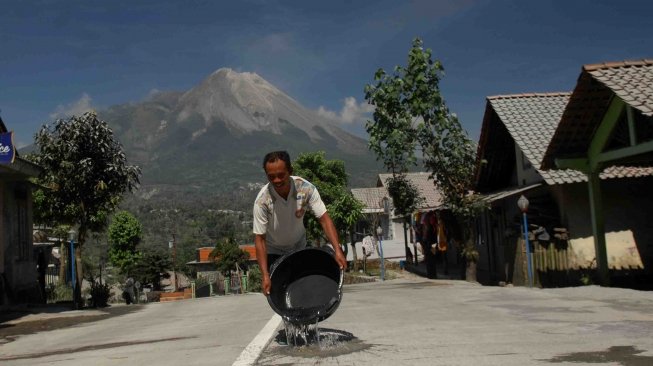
point(531, 120)
point(425, 186)
point(631, 81)
point(204, 254)
point(370, 197)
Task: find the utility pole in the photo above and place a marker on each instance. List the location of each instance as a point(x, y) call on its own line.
point(174, 261)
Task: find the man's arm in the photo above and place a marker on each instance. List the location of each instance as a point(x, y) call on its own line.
point(262, 259)
point(332, 235)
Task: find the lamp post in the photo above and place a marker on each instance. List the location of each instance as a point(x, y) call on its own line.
point(71, 238)
point(379, 233)
point(522, 202)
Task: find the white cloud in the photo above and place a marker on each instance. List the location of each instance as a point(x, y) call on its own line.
point(276, 42)
point(76, 108)
point(352, 112)
point(20, 144)
point(152, 93)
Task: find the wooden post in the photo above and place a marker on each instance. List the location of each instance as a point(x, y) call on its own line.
point(598, 227)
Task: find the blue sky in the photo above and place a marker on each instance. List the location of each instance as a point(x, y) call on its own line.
point(59, 57)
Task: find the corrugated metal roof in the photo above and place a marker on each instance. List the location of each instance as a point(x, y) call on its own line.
point(495, 196)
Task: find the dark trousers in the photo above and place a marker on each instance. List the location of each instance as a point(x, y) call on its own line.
point(271, 259)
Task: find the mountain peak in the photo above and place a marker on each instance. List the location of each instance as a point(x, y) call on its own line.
point(228, 74)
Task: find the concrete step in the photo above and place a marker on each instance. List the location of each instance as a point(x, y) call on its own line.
point(171, 298)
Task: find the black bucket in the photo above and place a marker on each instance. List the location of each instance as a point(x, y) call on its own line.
point(306, 285)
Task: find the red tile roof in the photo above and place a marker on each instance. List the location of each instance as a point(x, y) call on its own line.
point(204, 253)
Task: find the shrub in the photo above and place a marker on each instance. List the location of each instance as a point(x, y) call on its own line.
point(254, 278)
point(100, 293)
point(59, 292)
point(201, 281)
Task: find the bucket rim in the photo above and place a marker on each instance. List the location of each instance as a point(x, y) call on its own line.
point(331, 308)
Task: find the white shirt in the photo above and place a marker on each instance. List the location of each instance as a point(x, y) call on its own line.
point(281, 220)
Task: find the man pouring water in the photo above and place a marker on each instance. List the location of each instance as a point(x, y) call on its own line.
point(279, 212)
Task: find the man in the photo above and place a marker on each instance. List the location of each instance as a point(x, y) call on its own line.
point(279, 212)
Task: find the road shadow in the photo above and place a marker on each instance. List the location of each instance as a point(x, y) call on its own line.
point(32, 319)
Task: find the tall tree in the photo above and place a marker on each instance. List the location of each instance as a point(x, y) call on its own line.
point(393, 138)
point(150, 268)
point(410, 99)
point(330, 178)
point(125, 233)
point(85, 175)
point(229, 256)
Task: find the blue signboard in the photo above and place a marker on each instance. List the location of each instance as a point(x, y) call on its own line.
point(7, 150)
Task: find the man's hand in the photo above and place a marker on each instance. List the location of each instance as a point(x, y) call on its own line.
point(341, 260)
point(266, 284)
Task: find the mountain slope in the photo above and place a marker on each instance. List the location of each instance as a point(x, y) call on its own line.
point(212, 138)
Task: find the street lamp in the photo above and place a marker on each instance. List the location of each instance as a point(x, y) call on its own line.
point(72, 234)
point(522, 202)
point(379, 233)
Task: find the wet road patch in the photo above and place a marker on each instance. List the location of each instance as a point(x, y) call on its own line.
point(623, 355)
point(331, 343)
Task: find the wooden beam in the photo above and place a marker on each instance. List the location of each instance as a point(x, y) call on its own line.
point(624, 152)
point(632, 133)
point(604, 131)
point(606, 126)
point(598, 227)
point(580, 164)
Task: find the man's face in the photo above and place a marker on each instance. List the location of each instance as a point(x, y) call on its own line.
point(278, 175)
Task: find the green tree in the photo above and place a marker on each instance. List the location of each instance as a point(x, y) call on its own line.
point(410, 99)
point(393, 138)
point(330, 179)
point(85, 174)
point(150, 268)
point(229, 256)
point(125, 233)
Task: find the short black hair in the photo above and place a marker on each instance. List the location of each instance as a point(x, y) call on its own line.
point(273, 156)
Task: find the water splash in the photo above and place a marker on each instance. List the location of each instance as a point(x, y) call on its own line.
point(311, 336)
point(309, 341)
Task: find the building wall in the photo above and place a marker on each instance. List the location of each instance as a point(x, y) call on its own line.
point(497, 229)
point(526, 173)
point(20, 280)
point(627, 205)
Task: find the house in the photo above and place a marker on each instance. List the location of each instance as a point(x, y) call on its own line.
point(609, 122)
point(373, 202)
point(392, 224)
point(205, 265)
point(18, 275)
point(515, 135)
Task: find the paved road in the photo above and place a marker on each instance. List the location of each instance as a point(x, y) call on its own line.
point(400, 322)
point(424, 322)
point(206, 331)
